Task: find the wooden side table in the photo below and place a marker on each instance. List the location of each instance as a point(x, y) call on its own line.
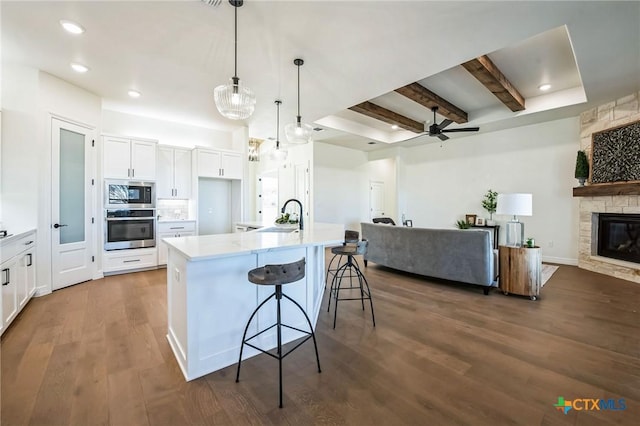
point(520, 270)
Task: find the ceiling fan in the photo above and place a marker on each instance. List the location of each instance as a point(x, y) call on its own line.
point(439, 129)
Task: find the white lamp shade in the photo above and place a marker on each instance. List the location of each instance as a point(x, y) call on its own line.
point(515, 204)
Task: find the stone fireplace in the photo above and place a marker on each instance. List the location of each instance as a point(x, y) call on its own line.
point(614, 199)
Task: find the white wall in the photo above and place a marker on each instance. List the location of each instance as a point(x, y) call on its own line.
point(341, 185)
point(19, 193)
point(166, 132)
point(64, 100)
point(441, 185)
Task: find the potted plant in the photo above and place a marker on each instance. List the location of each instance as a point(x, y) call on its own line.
point(490, 203)
point(582, 167)
point(463, 224)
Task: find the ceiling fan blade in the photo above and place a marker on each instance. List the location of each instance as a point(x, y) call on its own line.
point(442, 137)
point(464, 129)
point(445, 123)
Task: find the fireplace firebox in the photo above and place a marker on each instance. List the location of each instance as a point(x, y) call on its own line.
point(619, 236)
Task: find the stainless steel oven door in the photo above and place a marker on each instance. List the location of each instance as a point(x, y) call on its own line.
point(129, 232)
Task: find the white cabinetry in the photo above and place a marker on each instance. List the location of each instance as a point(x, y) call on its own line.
point(120, 261)
point(129, 158)
point(219, 164)
point(18, 276)
point(180, 228)
point(174, 172)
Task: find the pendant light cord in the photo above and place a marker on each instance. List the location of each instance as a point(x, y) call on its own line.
point(235, 51)
point(278, 125)
point(298, 92)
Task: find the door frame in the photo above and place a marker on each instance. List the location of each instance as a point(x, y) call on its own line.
point(92, 199)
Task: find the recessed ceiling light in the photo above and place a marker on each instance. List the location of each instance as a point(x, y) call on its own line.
point(79, 67)
point(371, 143)
point(544, 87)
point(72, 27)
point(394, 127)
point(134, 93)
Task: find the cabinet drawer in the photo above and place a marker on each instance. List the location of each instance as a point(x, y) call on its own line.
point(177, 227)
point(124, 260)
point(21, 244)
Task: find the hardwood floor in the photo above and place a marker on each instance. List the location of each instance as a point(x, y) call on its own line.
point(442, 353)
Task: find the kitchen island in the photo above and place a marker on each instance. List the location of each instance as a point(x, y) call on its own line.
point(209, 298)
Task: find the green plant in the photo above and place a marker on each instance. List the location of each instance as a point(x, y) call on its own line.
point(582, 165)
point(490, 202)
point(463, 224)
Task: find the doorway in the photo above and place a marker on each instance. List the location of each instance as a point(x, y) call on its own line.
point(72, 186)
point(376, 199)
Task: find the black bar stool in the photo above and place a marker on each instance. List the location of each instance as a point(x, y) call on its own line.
point(351, 239)
point(278, 275)
point(350, 269)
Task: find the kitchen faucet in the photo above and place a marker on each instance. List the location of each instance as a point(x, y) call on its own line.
point(301, 214)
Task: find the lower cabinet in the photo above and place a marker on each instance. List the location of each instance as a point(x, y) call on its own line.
point(181, 228)
point(18, 276)
point(119, 261)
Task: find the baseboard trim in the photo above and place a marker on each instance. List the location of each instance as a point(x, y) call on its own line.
point(560, 260)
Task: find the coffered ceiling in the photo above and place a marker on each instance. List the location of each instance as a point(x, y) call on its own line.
point(176, 52)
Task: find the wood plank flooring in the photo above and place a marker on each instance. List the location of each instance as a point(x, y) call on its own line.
point(441, 354)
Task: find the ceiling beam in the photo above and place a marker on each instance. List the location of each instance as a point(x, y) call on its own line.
point(379, 113)
point(425, 97)
point(487, 73)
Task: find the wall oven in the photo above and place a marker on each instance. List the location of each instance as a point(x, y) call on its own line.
point(129, 228)
point(131, 195)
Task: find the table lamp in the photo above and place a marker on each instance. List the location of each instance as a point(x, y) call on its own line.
point(515, 205)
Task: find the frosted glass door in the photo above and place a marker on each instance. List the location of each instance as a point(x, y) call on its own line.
point(71, 189)
point(72, 172)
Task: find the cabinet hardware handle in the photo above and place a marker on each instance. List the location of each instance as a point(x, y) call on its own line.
point(128, 172)
point(30, 259)
point(57, 225)
point(177, 227)
point(133, 172)
point(176, 191)
point(28, 242)
point(129, 261)
point(7, 275)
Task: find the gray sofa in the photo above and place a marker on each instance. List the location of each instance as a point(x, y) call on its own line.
point(458, 255)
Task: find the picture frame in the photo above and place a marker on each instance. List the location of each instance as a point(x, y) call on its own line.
point(471, 219)
point(408, 223)
point(480, 221)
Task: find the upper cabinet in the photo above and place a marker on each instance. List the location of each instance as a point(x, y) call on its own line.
point(129, 158)
point(174, 173)
point(218, 163)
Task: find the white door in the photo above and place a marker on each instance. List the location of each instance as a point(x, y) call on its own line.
point(71, 195)
point(376, 199)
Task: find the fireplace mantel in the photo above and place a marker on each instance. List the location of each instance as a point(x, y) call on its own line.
point(604, 189)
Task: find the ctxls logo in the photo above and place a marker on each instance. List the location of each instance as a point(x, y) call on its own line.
point(590, 404)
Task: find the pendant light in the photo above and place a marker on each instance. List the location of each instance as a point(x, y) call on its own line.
point(234, 100)
point(298, 132)
point(278, 154)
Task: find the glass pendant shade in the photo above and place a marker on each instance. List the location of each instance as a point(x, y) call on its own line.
point(298, 132)
point(234, 101)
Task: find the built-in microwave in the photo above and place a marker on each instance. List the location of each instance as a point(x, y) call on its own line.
point(131, 195)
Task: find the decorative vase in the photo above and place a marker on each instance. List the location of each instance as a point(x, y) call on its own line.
point(581, 181)
point(491, 222)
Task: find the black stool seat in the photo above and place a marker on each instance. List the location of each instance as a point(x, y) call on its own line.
point(277, 275)
point(350, 270)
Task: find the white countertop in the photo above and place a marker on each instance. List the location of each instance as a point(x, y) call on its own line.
point(254, 224)
point(204, 247)
point(14, 236)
